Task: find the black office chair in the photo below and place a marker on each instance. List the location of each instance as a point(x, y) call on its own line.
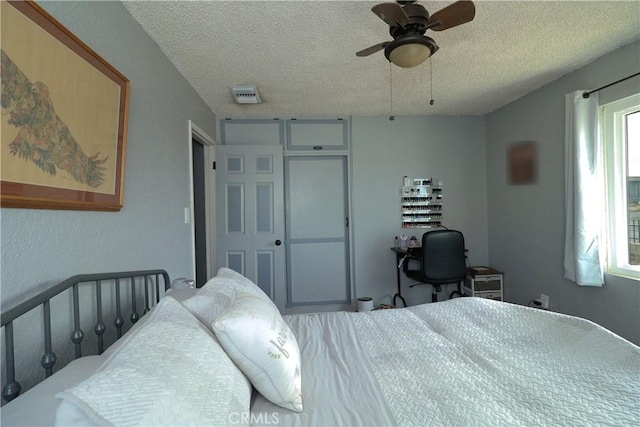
point(443, 261)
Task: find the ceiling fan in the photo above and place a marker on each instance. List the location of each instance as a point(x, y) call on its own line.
point(408, 22)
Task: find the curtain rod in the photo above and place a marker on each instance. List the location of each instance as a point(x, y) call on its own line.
point(586, 94)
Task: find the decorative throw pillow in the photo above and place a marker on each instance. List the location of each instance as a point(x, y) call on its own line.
point(171, 371)
point(253, 333)
point(260, 342)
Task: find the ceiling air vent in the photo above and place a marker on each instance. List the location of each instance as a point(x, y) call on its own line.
point(245, 94)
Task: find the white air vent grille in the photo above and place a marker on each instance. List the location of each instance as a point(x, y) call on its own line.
point(245, 94)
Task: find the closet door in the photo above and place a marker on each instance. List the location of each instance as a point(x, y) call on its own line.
point(250, 217)
point(317, 231)
point(317, 134)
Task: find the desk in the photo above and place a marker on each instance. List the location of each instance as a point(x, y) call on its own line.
point(401, 257)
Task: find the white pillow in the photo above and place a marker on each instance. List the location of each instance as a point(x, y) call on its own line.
point(217, 295)
point(254, 334)
point(257, 338)
point(238, 279)
point(171, 371)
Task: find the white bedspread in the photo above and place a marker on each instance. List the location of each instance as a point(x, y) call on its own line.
point(466, 361)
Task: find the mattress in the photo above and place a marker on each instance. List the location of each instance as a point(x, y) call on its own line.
point(467, 361)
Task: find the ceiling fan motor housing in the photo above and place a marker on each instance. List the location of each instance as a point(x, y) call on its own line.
point(417, 23)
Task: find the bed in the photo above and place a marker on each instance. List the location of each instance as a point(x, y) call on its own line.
point(466, 361)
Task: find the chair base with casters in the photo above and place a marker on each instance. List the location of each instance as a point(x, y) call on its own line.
point(457, 292)
point(397, 295)
point(442, 262)
point(436, 289)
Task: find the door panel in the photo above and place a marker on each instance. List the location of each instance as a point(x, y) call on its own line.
point(235, 261)
point(251, 215)
point(264, 207)
point(265, 271)
point(317, 230)
point(235, 208)
point(316, 197)
point(318, 273)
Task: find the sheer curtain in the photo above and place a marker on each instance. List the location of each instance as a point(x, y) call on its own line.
point(584, 190)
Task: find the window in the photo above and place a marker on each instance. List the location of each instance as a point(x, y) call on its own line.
point(621, 138)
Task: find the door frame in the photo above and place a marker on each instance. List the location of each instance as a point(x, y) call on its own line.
point(209, 143)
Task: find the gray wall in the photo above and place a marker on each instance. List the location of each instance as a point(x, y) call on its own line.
point(41, 247)
point(451, 149)
point(526, 223)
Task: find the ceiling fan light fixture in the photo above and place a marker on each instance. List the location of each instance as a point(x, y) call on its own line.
point(411, 51)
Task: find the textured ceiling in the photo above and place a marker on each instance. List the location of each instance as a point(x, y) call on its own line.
point(301, 54)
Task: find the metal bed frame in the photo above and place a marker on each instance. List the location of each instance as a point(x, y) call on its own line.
point(12, 388)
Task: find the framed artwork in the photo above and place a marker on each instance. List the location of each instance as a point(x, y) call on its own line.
point(522, 163)
point(64, 117)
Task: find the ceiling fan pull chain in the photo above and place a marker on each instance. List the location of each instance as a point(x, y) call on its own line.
point(391, 117)
point(431, 101)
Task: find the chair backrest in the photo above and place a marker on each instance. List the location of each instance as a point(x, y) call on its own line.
point(443, 256)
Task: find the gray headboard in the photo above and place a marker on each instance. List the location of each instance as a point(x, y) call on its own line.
point(149, 280)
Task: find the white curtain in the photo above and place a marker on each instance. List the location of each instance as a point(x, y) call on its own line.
point(584, 190)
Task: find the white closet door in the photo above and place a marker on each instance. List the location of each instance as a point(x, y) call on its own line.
point(250, 215)
point(317, 231)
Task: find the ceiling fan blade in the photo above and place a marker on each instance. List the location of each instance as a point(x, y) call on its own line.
point(453, 15)
point(391, 13)
point(373, 49)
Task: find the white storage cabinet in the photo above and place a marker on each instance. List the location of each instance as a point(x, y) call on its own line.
point(488, 285)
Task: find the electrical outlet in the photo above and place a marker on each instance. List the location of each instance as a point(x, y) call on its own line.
point(544, 300)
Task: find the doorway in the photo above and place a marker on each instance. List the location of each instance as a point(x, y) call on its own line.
point(202, 215)
point(199, 212)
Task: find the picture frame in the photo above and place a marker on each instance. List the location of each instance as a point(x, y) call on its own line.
point(64, 117)
point(522, 163)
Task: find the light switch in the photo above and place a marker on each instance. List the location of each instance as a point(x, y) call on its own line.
point(187, 215)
